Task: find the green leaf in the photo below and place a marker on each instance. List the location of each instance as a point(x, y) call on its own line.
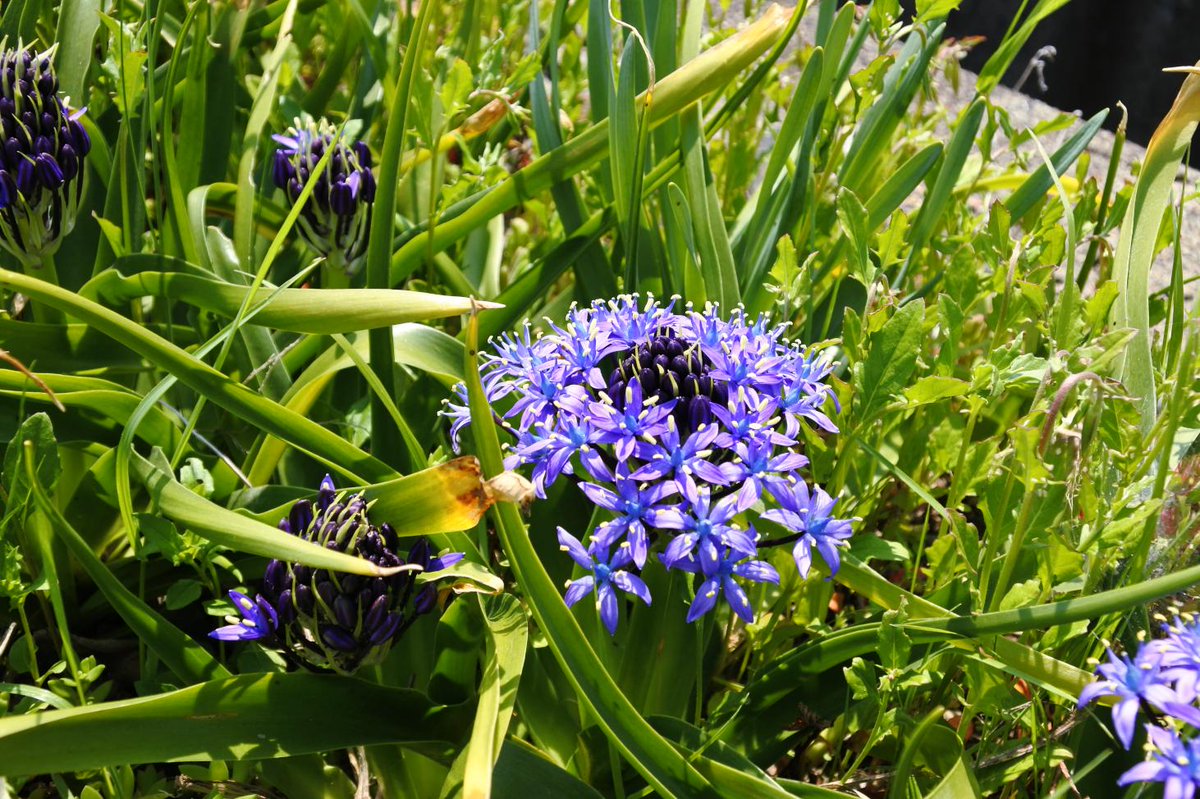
point(183, 593)
point(457, 87)
point(933, 388)
point(900, 185)
point(930, 10)
point(296, 310)
point(891, 359)
point(872, 547)
point(853, 216)
point(520, 772)
point(1136, 245)
point(507, 637)
point(78, 22)
point(40, 433)
point(251, 717)
point(894, 643)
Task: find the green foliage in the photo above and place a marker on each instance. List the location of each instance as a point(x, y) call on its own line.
point(1019, 433)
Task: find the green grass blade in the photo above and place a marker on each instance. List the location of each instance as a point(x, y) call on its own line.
point(379, 244)
point(507, 637)
point(936, 202)
point(1036, 185)
point(78, 22)
point(900, 185)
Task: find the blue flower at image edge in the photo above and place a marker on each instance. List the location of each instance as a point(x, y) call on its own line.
point(1173, 762)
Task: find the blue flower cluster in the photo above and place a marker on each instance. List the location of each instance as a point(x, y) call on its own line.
point(332, 620)
point(677, 424)
point(1163, 678)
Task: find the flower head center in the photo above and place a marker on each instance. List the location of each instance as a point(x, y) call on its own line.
point(668, 368)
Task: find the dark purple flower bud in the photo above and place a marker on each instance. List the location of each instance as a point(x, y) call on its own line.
point(47, 84)
point(386, 629)
point(326, 493)
point(12, 152)
point(70, 162)
point(6, 107)
point(83, 142)
point(273, 578)
point(367, 187)
point(419, 553)
point(287, 612)
point(304, 598)
point(376, 614)
point(698, 412)
point(6, 196)
point(425, 600)
point(325, 590)
point(303, 574)
point(345, 610)
point(339, 639)
point(25, 183)
point(341, 199)
point(283, 171)
point(364, 154)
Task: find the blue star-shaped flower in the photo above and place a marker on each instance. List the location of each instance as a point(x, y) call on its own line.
point(638, 420)
point(1132, 681)
point(760, 467)
point(681, 460)
point(807, 513)
point(1173, 762)
point(635, 506)
point(705, 527)
point(718, 580)
point(607, 574)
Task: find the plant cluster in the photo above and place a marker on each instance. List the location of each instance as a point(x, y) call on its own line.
point(696, 406)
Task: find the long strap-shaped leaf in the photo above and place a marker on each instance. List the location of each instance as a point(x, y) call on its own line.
point(251, 717)
point(202, 378)
point(1139, 234)
point(647, 751)
point(295, 310)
